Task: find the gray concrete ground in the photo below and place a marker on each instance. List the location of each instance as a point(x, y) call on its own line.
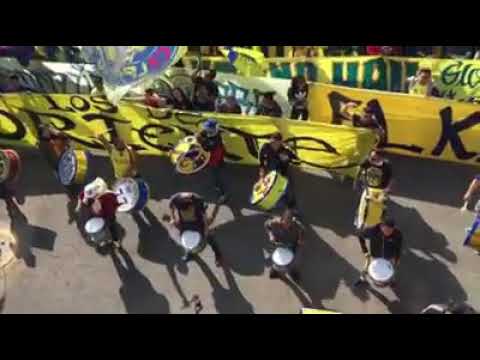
point(59, 273)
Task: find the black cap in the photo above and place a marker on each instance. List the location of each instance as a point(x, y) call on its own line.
point(389, 222)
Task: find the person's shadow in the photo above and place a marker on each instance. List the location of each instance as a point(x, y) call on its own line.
point(28, 236)
point(227, 301)
point(155, 245)
point(137, 292)
point(242, 243)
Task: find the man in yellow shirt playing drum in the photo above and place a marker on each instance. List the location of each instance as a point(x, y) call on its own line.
point(123, 157)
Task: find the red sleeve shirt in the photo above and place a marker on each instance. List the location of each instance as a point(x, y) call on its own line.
point(374, 50)
point(109, 205)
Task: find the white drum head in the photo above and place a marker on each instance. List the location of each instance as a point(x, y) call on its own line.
point(282, 256)
point(127, 194)
point(381, 270)
point(94, 225)
point(190, 239)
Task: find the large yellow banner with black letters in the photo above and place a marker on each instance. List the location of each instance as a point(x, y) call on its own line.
point(156, 131)
point(423, 127)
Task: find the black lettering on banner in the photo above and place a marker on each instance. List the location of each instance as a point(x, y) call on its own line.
point(66, 123)
point(108, 121)
point(79, 103)
point(20, 130)
point(102, 100)
point(55, 106)
point(450, 133)
point(338, 100)
point(160, 115)
point(146, 135)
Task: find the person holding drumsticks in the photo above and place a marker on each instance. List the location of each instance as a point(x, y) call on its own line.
point(188, 213)
point(101, 203)
point(276, 156)
point(211, 140)
point(385, 242)
point(288, 231)
point(123, 157)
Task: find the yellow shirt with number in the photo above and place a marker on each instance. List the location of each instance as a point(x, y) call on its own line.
point(122, 162)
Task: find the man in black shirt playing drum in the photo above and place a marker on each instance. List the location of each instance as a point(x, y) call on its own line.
point(188, 213)
point(276, 156)
point(376, 172)
point(385, 242)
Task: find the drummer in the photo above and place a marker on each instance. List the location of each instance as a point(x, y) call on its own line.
point(276, 156)
point(211, 140)
point(286, 230)
point(385, 242)
point(53, 143)
point(123, 156)
point(376, 172)
point(103, 204)
point(188, 212)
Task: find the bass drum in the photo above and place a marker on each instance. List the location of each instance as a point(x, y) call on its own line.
point(381, 272)
point(133, 194)
point(267, 192)
point(189, 157)
point(10, 166)
point(371, 208)
point(73, 167)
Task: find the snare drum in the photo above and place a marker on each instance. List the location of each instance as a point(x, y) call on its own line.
point(10, 165)
point(192, 241)
point(282, 258)
point(132, 194)
point(189, 157)
point(72, 167)
point(381, 272)
point(371, 208)
point(97, 231)
point(267, 192)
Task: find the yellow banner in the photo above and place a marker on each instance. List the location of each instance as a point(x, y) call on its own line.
point(415, 126)
point(156, 131)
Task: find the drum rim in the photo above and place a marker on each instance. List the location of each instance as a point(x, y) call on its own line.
point(4, 177)
point(377, 260)
point(75, 164)
point(280, 248)
point(206, 153)
point(115, 188)
point(267, 193)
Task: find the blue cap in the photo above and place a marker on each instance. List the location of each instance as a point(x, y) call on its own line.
point(210, 126)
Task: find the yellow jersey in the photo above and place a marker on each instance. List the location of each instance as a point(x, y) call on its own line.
point(122, 162)
point(419, 89)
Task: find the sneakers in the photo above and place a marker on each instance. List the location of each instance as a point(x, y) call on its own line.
point(274, 274)
point(187, 257)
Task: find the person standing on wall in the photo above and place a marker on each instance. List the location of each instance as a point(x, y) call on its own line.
point(422, 84)
point(268, 106)
point(297, 97)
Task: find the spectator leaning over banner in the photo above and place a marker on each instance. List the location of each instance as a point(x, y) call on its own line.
point(230, 106)
point(205, 91)
point(179, 100)
point(422, 84)
point(268, 106)
point(297, 97)
point(152, 99)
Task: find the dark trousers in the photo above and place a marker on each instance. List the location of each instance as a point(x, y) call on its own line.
point(216, 174)
point(290, 198)
point(299, 114)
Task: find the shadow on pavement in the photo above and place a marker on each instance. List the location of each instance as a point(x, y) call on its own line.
point(431, 180)
point(28, 236)
point(227, 301)
point(322, 270)
point(242, 243)
point(137, 292)
point(419, 235)
point(156, 246)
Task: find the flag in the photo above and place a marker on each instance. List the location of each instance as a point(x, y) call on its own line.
point(247, 62)
point(123, 67)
